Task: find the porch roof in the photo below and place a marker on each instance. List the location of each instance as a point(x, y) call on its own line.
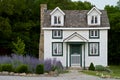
point(75, 37)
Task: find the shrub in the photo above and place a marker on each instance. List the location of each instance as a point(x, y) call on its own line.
point(0, 68)
point(99, 68)
point(6, 67)
point(91, 67)
point(22, 69)
point(40, 69)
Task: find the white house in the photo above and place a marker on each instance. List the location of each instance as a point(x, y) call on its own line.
point(76, 37)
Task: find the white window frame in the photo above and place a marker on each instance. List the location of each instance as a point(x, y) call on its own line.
point(94, 19)
point(93, 49)
point(57, 34)
point(57, 21)
point(57, 49)
point(94, 33)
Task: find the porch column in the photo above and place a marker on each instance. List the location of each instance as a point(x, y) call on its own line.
point(84, 57)
point(66, 55)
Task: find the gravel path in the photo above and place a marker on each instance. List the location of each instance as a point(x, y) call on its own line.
point(72, 75)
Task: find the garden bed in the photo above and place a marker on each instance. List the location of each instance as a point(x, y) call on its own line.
point(18, 65)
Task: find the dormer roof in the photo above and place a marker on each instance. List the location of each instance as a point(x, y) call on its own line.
point(94, 8)
point(57, 8)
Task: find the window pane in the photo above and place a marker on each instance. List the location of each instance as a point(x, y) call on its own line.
point(55, 19)
point(96, 19)
point(59, 33)
point(54, 48)
point(92, 33)
point(59, 20)
point(92, 20)
point(93, 48)
point(57, 48)
point(54, 33)
point(96, 32)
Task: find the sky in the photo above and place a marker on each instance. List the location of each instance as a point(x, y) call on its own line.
point(100, 4)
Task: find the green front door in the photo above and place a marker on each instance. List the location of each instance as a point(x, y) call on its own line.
point(75, 55)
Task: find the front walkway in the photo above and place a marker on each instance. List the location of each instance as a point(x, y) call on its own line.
point(72, 75)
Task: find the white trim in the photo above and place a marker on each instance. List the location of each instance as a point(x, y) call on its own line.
point(46, 28)
point(57, 8)
point(93, 9)
point(75, 35)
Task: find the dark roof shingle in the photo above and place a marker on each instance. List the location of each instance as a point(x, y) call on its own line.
point(76, 18)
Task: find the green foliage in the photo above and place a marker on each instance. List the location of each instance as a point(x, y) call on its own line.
point(91, 67)
point(19, 47)
point(113, 39)
point(7, 67)
point(22, 69)
point(21, 18)
point(40, 69)
point(5, 27)
point(99, 68)
point(0, 68)
point(118, 4)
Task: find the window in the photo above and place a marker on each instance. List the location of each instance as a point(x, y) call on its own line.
point(94, 20)
point(93, 49)
point(57, 49)
point(57, 20)
point(57, 34)
point(94, 33)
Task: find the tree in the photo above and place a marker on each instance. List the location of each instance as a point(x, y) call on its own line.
point(113, 39)
point(19, 47)
point(21, 18)
point(118, 4)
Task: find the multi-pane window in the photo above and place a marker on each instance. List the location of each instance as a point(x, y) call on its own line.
point(57, 20)
point(57, 49)
point(94, 20)
point(57, 34)
point(94, 33)
point(93, 49)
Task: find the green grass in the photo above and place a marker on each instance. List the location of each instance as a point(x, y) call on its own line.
point(114, 74)
point(115, 70)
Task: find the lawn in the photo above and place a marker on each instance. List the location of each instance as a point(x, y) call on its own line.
point(116, 70)
point(114, 74)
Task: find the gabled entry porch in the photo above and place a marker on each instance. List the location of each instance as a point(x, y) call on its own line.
point(75, 50)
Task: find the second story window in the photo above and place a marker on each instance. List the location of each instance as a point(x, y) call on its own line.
point(94, 20)
point(57, 34)
point(94, 33)
point(57, 20)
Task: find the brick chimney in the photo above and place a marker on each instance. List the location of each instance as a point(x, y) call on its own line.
point(43, 7)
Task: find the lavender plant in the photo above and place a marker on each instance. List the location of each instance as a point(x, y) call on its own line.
point(32, 62)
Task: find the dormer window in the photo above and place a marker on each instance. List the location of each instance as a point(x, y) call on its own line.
point(94, 17)
point(94, 20)
point(57, 17)
point(57, 20)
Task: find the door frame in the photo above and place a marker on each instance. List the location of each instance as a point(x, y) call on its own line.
point(80, 64)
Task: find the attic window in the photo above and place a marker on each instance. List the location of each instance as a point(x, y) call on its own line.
point(94, 20)
point(57, 20)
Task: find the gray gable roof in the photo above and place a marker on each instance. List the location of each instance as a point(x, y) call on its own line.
point(76, 18)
